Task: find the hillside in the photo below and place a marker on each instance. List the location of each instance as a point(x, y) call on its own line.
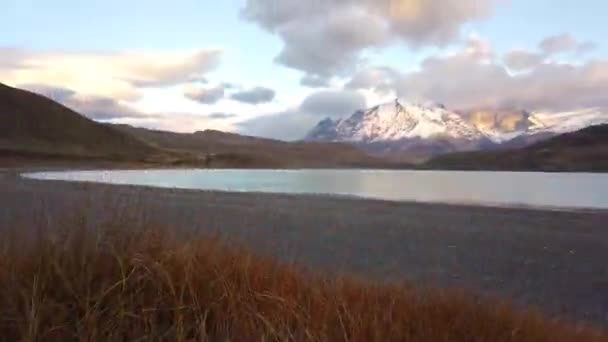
point(35, 128)
point(33, 125)
point(584, 151)
point(220, 149)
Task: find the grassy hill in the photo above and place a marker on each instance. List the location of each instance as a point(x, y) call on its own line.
point(31, 124)
point(221, 149)
point(582, 151)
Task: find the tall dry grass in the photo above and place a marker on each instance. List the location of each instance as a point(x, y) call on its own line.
point(119, 282)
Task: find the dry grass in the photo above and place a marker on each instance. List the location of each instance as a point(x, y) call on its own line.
point(123, 282)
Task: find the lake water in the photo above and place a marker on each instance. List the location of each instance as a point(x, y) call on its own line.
point(562, 190)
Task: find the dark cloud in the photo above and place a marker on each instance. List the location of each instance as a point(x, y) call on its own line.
point(206, 95)
point(333, 103)
point(294, 124)
point(288, 125)
point(218, 116)
point(323, 38)
point(95, 107)
point(58, 94)
point(102, 108)
point(229, 85)
point(255, 95)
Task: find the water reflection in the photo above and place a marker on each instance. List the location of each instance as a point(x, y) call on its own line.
point(573, 190)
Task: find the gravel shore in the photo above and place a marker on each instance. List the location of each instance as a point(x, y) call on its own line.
point(555, 260)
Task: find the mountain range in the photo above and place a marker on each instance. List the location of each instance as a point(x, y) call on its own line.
point(432, 129)
point(35, 130)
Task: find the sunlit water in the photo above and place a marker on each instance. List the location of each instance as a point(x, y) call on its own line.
point(560, 190)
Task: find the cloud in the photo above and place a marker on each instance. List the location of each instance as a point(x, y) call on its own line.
point(11, 58)
point(58, 94)
point(378, 79)
point(564, 43)
point(178, 122)
point(333, 103)
point(103, 108)
point(94, 107)
point(324, 38)
point(472, 79)
point(218, 116)
point(462, 82)
point(294, 123)
point(522, 60)
point(166, 69)
point(205, 95)
point(111, 74)
point(255, 95)
point(314, 81)
point(288, 125)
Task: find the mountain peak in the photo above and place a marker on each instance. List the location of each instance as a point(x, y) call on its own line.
point(405, 126)
point(394, 121)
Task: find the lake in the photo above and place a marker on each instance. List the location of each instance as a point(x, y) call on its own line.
point(559, 190)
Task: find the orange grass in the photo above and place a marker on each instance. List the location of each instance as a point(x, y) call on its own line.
point(119, 283)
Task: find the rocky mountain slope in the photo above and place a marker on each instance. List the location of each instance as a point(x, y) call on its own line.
point(399, 127)
point(585, 150)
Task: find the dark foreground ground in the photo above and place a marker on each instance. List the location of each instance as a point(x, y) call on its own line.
point(557, 261)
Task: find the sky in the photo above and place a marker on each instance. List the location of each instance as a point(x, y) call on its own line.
point(275, 68)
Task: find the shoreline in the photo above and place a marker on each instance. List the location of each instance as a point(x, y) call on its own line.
point(23, 173)
point(550, 259)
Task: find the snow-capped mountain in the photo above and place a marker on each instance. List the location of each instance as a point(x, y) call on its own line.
point(565, 122)
point(431, 129)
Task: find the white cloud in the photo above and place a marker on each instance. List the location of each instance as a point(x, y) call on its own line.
point(564, 42)
point(523, 60)
point(379, 79)
point(179, 122)
point(111, 74)
point(475, 78)
point(325, 38)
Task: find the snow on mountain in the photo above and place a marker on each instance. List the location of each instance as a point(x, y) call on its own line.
point(566, 122)
point(394, 122)
point(399, 126)
point(548, 124)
